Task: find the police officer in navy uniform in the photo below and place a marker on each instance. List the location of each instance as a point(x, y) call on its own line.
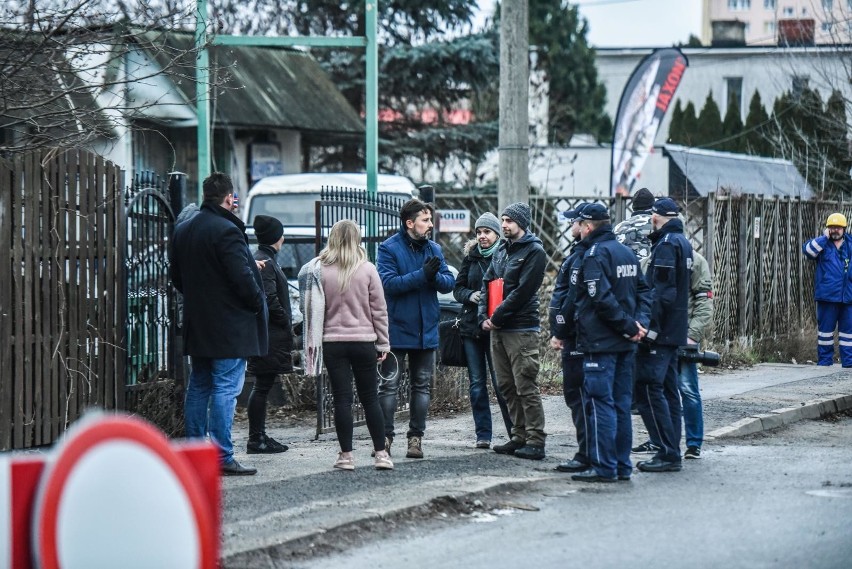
point(657, 396)
point(563, 337)
point(611, 315)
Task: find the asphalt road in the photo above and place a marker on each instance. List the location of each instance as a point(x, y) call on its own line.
point(778, 499)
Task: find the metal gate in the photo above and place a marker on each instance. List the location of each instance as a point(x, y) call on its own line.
point(378, 217)
point(152, 356)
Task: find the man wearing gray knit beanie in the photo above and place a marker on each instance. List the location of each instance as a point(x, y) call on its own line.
point(513, 280)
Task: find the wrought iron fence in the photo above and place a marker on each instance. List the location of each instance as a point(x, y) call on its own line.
point(378, 217)
point(151, 300)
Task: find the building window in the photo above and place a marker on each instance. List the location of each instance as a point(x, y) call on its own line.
point(734, 92)
point(769, 28)
point(788, 12)
point(739, 5)
point(770, 4)
point(826, 26)
point(827, 5)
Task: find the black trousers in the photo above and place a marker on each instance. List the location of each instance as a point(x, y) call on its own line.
point(343, 361)
point(257, 404)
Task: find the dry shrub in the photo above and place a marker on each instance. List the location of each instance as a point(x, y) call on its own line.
point(300, 391)
point(796, 347)
point(158, 402)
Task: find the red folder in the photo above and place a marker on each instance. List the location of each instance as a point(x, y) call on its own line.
point(495, 295)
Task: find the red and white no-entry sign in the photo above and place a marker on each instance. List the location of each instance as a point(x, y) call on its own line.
point(115, 493)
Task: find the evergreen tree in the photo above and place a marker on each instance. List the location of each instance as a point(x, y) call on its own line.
point(690, 125)
point(709, 130)
point(757, 138)
point(732, 128)
point(576, 97)
point(676, 134)
point(837, 146)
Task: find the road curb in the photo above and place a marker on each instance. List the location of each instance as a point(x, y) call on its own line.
point(813, 409)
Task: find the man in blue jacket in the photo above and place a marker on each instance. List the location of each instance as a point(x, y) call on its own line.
point(225, 314)
point(669, 275)
point(413, 272)
point(611, 316)
point(832, 252)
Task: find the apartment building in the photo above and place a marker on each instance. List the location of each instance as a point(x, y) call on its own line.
point(832, 18)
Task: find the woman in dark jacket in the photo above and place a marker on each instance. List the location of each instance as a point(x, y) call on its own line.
point(270, 236)
point(476, 341)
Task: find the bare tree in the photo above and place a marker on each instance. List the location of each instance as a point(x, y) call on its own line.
point(66, 67)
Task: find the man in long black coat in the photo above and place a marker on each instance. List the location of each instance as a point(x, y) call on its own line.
point(225, 314)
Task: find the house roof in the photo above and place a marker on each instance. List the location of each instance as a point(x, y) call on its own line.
point(263, 86)
point(709, 171)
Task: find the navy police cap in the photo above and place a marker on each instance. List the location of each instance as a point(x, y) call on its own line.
point(594, 212)
point(665, 206)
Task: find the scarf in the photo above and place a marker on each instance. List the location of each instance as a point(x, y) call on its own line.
point(312, 303)
point(489, 251)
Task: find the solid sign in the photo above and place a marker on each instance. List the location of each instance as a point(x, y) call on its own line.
point(114, 493)
point(454, 220)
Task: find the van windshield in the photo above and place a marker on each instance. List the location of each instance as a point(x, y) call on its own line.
point(290, 209)
point(298, 210)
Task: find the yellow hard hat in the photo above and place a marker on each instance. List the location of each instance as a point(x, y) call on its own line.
point(836, 220)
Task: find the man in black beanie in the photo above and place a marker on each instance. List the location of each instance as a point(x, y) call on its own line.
point(270, 237)
point(516, 271)
point(634, 230)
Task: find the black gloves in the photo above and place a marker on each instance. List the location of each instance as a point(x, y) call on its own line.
point(430, 267)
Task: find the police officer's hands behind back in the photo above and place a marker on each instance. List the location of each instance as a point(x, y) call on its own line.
point(430, 267)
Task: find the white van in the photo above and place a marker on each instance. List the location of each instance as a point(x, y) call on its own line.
point(290, 198)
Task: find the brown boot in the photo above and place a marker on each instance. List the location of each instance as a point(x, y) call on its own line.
point(414, 448)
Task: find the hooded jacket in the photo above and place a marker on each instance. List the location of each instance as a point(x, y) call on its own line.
point(521, 265)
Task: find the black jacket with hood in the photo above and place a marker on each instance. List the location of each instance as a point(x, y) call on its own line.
point(521, 265)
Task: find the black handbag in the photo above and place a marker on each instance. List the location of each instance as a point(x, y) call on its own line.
point(451, 344)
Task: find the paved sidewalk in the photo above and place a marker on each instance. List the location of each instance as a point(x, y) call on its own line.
point(297, 493)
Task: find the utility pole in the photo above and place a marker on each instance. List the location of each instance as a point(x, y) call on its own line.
point(513, 171)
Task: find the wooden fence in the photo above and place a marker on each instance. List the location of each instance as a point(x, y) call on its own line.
point(762, 283)
point(61, 293)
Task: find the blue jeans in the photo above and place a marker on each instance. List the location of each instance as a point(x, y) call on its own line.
point(693, 417)
point(421, 368)
point(211, 398)
point(478, 352)
point(608, 388)
point(658, 399)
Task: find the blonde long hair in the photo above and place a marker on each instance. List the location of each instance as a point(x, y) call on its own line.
point(344, 250)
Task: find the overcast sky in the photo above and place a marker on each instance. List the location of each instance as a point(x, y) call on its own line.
point(634, 23)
